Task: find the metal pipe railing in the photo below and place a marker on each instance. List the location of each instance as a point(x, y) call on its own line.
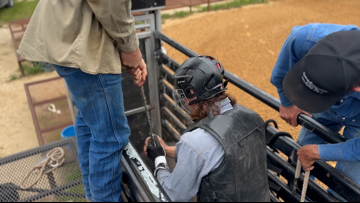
point(323, 171)
point(304, 120)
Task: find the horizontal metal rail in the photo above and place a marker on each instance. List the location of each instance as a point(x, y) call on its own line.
point(327, 174)
point(314, 191)
point(305, 121)
point(170, 116)
point(324, 172)
point(284, 191)
point(171, 131)
point(166, 101)
point(139, 110)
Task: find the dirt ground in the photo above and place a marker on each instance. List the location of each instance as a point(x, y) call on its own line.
point(245, 40)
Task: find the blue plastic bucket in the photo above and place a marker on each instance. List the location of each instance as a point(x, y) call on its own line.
point(68, 132)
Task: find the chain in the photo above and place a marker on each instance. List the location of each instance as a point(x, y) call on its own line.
point(147, 112)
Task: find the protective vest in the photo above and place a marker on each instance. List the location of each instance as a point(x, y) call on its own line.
point(242, 176)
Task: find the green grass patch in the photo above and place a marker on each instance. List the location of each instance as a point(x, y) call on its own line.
point(33, 70)
point(14, 77)
point(29, 69)
point(21, 10)
point(212, 7)
point(180, 14)
point(233, 4)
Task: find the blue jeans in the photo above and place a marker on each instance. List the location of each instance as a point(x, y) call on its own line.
point(335, 123)
point(101, 130)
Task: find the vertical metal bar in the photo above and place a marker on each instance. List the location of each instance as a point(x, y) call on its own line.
point(33, 114)
point(158, 20)
point(153, 78)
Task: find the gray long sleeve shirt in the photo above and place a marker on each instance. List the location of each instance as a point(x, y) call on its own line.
point(198, 153)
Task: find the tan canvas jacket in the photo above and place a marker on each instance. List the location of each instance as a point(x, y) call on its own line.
point(85, 34)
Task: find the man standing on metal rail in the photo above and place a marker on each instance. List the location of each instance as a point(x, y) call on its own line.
point(89, 42)
point(318, 72)
point(222, 156)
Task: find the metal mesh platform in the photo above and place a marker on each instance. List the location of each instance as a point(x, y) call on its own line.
point(61, 184)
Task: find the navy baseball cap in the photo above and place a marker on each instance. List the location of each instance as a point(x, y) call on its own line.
point(326, 73)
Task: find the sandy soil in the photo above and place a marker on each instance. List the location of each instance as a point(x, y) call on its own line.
point(246, 41)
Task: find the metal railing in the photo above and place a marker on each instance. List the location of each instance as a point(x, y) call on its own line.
point(279, 167)
point(17, 29)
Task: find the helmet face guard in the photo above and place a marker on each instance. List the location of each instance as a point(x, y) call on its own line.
point(181, 100)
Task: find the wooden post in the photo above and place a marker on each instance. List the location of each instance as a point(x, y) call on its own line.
point(190, 6)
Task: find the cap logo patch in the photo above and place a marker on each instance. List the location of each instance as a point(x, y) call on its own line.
point(311, 85)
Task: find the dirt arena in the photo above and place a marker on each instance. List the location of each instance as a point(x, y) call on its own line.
point(245, 40)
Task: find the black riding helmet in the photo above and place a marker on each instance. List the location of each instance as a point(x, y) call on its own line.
point(203, 75)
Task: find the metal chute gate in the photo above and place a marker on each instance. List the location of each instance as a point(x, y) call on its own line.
point(173, 121)
point(281, 171)
point(169, 121)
